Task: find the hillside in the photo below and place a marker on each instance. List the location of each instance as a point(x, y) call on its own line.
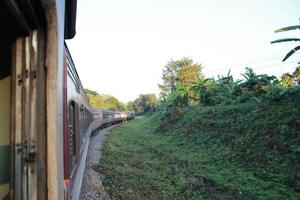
point(242, 151)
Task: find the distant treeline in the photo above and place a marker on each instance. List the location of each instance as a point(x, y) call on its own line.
point(144, 103)
point(104, 102)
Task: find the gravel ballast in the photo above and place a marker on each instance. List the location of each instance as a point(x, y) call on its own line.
point(91, 185)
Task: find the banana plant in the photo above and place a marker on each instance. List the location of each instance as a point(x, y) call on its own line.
point(289, 28)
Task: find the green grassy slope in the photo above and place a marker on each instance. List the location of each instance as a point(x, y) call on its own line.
point(244, 151)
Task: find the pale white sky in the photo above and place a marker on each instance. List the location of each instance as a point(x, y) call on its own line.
point(122, 46)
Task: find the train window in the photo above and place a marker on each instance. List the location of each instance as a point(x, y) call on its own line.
point(81, 123)
point(72, 134)
point(84, 121)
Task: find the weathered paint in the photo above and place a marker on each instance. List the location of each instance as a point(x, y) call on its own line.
point(54, 96)
point(4, 192)
point(17, 118)
point(5, 136)
point(5, 111)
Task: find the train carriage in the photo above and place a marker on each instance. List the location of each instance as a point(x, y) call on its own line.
point(31, 79)
point(45, 117)
point(98, 119)
point(78, 126)
point(108, 117)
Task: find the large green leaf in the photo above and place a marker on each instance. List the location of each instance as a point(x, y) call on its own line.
point(289, 28)
point(285, 40)
point(291, 53)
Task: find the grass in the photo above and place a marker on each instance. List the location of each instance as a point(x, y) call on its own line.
point(202, 156)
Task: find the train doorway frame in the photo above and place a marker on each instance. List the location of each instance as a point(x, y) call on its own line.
point(28, 118)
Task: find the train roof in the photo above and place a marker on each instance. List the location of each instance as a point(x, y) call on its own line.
point(75, 73)
point(29, 15)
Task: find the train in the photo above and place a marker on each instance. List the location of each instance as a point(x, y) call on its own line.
point(46, 120)
point(80, 121)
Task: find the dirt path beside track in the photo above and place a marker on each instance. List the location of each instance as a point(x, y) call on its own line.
point(91, 185)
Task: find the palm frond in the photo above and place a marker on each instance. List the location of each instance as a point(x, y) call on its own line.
point(285, 40)
point(291, 53)
point(289, 28)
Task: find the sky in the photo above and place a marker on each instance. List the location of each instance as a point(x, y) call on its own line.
point(121, 47)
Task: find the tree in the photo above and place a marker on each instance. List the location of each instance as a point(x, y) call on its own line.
point(183, 72)
point(289, 28)
point(296, 76)
point(130, 106)
point(144, 103)
point(216, 91)
point(90, 93)
point(104, 102)
point(289, 80)
point(254, 83)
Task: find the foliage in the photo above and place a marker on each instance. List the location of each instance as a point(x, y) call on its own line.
point(289, 54)
point(259, 136)
point(205, 156)
point(290, 80)
point(220, 91)
point(183, 72)
point(251, 122)
point(230, 139)
point(130, 105)
point(254, 85)
point(225, 90)
point(173, 106)
point(89, 92)
point(278, 94)
point(287, 80)
point(144, 103)
point(104, 102)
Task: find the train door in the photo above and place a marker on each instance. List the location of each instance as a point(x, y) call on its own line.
point(22, 106)
point(22, 103)
point(28, 117)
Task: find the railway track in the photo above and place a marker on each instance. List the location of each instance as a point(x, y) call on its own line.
point(92, 186)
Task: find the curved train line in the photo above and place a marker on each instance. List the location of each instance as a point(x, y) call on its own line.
point(45, 117)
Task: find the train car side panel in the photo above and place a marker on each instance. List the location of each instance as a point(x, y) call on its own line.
point(5, 136)
point(79, 126)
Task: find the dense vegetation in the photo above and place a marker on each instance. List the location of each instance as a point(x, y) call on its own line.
point(211, 139)
point(143, 104)
point(203, 155)
point(253, 123)
point(261, 138)
point(104, 102)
